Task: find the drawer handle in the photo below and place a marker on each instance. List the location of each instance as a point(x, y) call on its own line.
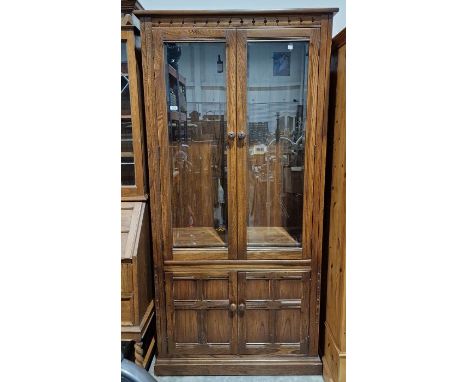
point(241, 307)
point(233, 307)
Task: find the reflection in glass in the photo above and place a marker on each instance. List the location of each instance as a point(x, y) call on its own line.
point(127, 158)
point(276, 98)
point(196, 105)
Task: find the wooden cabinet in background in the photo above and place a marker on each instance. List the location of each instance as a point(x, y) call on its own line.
point(334, 347)
point(137, 305)
point(236, 122)
point(133, 177)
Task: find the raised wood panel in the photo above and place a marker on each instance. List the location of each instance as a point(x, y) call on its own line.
point(275, 319)
point(185, 326)
point(126, 277)
point(287, 328)
point(127, 314)
point(216, 329)
point(144, 266)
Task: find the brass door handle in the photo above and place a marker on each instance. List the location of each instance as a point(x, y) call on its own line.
point(233, 307)
point(241, 307)
point(241, 135)
point(231, 135)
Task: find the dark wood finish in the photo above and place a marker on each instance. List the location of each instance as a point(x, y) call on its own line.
point(242, 148)
point(154, 185)
point(334, 350)
point(199, 316)
point(129, 6)
point(236, 12)
point(318, 179)
point(274, 314)
point(239, 365)
point(209, 330)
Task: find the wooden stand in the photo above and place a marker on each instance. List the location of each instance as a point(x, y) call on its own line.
point(137, 310)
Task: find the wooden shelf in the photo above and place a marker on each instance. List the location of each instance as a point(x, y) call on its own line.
point(269, 236)
point(196, 237)
point(174, 73)
point(177, 116)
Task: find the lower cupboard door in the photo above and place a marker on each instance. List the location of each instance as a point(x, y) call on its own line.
point(273, 312)
point(199, 318)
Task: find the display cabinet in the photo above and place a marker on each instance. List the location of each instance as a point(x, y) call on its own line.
point(133, 178)
point(235, 106)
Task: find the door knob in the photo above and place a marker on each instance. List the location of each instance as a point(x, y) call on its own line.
point(241, 135)
point(231, 135)
point(233, 307)
point(241, 307)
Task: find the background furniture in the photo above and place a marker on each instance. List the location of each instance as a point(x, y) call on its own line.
point(137, 312)
point(236, 172)
point(132, 117)
point(334, 356)
point(137, 305)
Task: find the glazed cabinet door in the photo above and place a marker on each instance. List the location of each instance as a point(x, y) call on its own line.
point(201, 312)
point(196, 136)
point(276, 124)
point(273, 312)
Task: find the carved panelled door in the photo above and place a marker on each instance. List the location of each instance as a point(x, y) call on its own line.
point(201, 313)
point(273, 312)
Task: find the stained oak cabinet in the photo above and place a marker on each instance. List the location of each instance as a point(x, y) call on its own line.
point(235, 106)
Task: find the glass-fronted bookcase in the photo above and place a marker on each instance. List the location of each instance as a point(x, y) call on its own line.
point(133, 178)
point(235, 107)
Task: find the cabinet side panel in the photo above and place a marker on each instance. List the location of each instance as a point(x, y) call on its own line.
point(154, 180)
point(335, 317)
point(145, 268)
point(319, 181)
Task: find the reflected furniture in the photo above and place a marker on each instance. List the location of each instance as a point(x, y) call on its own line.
point(236, 122)
point(334, 347)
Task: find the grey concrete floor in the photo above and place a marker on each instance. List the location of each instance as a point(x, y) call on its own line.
point(267, 378)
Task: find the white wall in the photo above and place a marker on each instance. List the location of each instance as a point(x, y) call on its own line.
point(339, 21)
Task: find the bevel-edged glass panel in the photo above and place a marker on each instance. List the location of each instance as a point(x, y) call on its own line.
point(127, 155)
point(276, 111)
point(196, 105)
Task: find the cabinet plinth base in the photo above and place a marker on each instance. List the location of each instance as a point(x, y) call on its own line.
point(238, 365)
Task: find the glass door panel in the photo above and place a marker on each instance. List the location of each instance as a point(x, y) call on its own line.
point(276, 106)
point(196, 108)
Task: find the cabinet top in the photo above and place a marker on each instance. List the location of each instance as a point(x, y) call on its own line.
point(236, 12)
